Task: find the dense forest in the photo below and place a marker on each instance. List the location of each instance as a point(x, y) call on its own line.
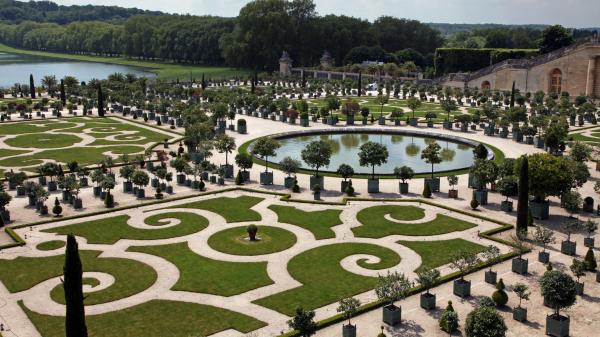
point(254, 39)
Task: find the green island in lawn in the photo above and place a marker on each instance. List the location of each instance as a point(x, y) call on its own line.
point(153, 318)
point(168, 71)
point(43, 141)
point(318, 222)
point(50, 245)
point(235, 241)
point(323, 279)
point(203, 275)
point(438, 253)
point(111, 230)
point(375, 225)
point(131, 277)
point(232, 209)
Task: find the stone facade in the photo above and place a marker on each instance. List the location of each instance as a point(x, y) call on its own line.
point(574, 69)
point(285, 64)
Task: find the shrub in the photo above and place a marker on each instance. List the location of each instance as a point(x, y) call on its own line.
point(499, 296)
point(443, 322)
point(427, 191)
point(558, 290)
point(590, 260)
point(450, 319)
point(296, 188)
point(252, 230)
point(474, 203)
point(350, 189)
point(238, 178)
point(57, 209)
point(485, 322)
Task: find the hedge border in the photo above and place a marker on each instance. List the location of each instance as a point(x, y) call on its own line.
point(288, 198)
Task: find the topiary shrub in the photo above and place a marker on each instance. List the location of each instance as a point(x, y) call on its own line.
point(252, 230)
point(427, 191)
point(296, 188)
point(474, 203)
point(559, 291)
point(499, 296)
point(239, 180)
point(443, 322)
point(202, 185)
point(350, 189)
point(158, 194)
point(57, 209)
point(590, 260)
point(485, 322)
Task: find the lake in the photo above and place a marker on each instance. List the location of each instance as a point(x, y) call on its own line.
point(15, 68)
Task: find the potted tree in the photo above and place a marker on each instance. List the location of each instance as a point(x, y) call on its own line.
point(303, 322)
point(373, 154)
point(431, 155)
point(522, 292)
point(543, 237)
point(452, 181)
point(107, 185)
point(345, 171)
point(567, 246)
point(463, 261)
point(520, 247)
point(241, 126)
point(289, 166)
point(548, 176)
point(317, 154)
point(226, 144)
point(97, 177)
point(126, 172)
point(413, 104)
point(317, 192)
point(141, 180)
point(179, 164)
point(244, 161)
point(404, 173)
point(348, 307)
point(430, 116)
point(590, 227)
point(491, 256)
point(559, 291)
point(508, 187)
point(264, 148)
point(391, 288)
point(578, 268)
point(427, 278)
point(485, 321)
point(484, 172)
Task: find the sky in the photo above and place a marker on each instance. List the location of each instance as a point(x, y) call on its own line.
point(570, 13)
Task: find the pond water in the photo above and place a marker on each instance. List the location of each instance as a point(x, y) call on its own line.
point(15, 68)
point(403, 150)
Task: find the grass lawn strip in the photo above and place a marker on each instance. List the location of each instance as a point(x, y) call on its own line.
point(232, 209)
point(438, 253)
point(318, 222)
point(235, 241)
point(203, 275)
point(154, 318)
point(323, 280)
point(374, 224)
point(131, 277)
point(51, 245)
point(111, 230)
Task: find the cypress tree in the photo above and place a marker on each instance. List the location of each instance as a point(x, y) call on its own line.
point(523, 202)
point(31, 86)
point(63, 95)
point(203, 84)
point(253, 83)
point(72, 284)
point(512, 96)
point(100, 102)
point(359, 84)
point(303, 79)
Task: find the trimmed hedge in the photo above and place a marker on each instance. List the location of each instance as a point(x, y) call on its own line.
point(454, 60)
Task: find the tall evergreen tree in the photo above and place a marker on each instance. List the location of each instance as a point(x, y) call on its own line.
point(73, 274)
point(63, 95)
point(523, 205)
point(100, 102)
point(203, 84)
point(31, 86)
point(512, 96)
point(359, 84)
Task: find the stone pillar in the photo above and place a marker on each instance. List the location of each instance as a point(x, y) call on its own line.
point(591, 74)
point(329, 75)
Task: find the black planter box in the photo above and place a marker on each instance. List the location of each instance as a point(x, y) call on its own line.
point(506, 206)
point(544, 257)
point(520, 266)
point(403, 188)
point(540, 210)
point(579, 287)
point(491, 277)
point(392, 315)
point(520, 314)
point(557, 326)
point(349, 330)
point(568, 248)
point(589, 242)
point(461, 288)
point(314, 180)
point(434, 184)
point(427, 301)
point(141, 193)
point(266, 178)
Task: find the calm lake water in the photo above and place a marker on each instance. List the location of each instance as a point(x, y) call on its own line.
point(403, 150)
point(15, 68)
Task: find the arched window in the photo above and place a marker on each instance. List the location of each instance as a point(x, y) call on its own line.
point(556, 81)
point(486, 85)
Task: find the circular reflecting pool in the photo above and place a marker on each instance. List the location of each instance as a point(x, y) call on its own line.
point(403, 148)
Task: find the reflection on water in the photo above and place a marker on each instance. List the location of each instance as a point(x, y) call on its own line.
point(15, 68)
point(403, 150)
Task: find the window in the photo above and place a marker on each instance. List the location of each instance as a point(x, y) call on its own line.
point(556, 81)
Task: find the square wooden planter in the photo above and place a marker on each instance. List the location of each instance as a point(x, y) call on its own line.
point(491, 277)
point(427, 301)
point(392, 315)
point(520, 266)
point(462, 288)
point(520, 314)
point(568, 247)
point(557, 326)
point(544, 257)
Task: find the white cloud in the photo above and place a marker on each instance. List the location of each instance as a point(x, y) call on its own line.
point(572, 13)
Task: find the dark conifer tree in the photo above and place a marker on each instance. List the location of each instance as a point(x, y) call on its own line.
point(203, 82)
point(63, 95)
point(523, 205)
point(100, 102)
point(73, 274)
point(359, 84)
point(512, 96)
point(31, 86)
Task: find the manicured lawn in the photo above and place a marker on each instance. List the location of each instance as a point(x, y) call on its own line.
point(50, 245)
point(203, 275)
point(323, 280)
point(438, 253)
point(111, 230)
point(318, 222)
point(34, 126)
point(235, 241)
point(232, 209)
point(131, 277)
point(152, 319)
point(374, 224)
point(169, 71)
point(43, 141)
